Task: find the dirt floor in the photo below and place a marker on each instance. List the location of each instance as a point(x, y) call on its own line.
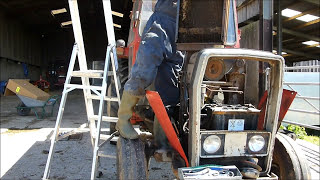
point(25, 143)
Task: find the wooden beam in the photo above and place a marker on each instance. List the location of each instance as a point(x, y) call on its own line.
point(308, 23)
point(301, 14)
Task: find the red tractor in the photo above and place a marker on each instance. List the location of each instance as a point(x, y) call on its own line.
point(215, 123)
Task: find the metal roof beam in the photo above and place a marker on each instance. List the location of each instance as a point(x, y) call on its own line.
point(298, 34)
point(308, 24)
point(316, 2)
point(299, 53)
point(301, 14)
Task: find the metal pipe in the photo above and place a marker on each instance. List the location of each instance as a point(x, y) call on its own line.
point(301, 83)
point(306, 97)
point(302, 67)
point(299, 53)
point(298, 34)
point(279, 29)
point(303, 111)
point(300, 124)
point(222, 90)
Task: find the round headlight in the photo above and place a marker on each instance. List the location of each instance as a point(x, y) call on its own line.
point(211, 144)
point(256, 143)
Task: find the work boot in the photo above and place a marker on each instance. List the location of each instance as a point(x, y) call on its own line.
point(177, 162)
point(125, 111)
point(160, 138)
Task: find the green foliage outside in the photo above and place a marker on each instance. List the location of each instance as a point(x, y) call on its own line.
point(302, 134)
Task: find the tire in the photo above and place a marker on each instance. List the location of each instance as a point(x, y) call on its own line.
point(112, 108)
point(23, 111)
point(288, 161)
point(131, 159)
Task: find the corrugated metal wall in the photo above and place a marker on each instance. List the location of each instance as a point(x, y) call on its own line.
point(18, 43)
point(247, 9)
point(13, 70)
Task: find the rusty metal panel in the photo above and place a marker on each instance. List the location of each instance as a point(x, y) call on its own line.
point(200, 21)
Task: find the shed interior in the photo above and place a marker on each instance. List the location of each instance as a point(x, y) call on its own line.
point(37, 35)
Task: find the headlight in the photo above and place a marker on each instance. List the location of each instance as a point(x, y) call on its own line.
point(256, 143)
point(212, 144)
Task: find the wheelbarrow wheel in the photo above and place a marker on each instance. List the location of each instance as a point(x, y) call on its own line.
point(131, 159)
point(23, 110)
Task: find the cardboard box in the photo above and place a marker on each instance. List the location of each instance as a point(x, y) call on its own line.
point(24, 88)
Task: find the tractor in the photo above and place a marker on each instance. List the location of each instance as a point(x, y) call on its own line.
point(215, 123)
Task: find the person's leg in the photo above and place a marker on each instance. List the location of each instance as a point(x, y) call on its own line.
point(160, 137)
point(123, 125)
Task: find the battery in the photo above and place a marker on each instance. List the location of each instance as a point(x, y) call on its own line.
point(232, 117)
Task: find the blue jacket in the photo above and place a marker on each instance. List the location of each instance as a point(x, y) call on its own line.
point(158, 59)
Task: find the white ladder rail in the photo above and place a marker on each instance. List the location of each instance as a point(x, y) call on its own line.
point(112, 56)
point(60, 113)
point(101, 107)
point(77, 31)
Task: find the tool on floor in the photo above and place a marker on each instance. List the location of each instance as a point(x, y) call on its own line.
point(99, 92)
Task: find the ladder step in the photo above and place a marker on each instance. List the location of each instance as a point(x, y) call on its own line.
point(104, 154)
point(78, 86)
point(106, 98)
point(104, 118)
point(105, 137)
point(90, 73)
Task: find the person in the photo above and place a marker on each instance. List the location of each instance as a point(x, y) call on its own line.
point(158, 61)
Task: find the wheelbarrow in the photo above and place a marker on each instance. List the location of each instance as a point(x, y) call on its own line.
point(27, 104)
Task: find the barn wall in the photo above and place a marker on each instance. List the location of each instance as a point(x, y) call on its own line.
point(18, 45)
point(247, 9)
point(250, 39)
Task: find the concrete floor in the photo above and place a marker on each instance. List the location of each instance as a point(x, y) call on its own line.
point(25, 142)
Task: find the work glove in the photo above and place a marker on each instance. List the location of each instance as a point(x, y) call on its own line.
point(125, 111)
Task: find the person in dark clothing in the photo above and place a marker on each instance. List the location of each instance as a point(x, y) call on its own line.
point(158, 61)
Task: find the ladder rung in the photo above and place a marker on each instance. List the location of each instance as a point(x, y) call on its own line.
point(104, 154)
point(106, 98)
point(88, 73)
point(77, 86)
point(105, 137)
point(104, 118)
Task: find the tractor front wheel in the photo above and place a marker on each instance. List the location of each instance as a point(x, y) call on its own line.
point(131, 159)
point(288, 161)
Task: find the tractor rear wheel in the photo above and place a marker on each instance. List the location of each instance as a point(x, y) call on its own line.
point(288, 160)
point(131, 159)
